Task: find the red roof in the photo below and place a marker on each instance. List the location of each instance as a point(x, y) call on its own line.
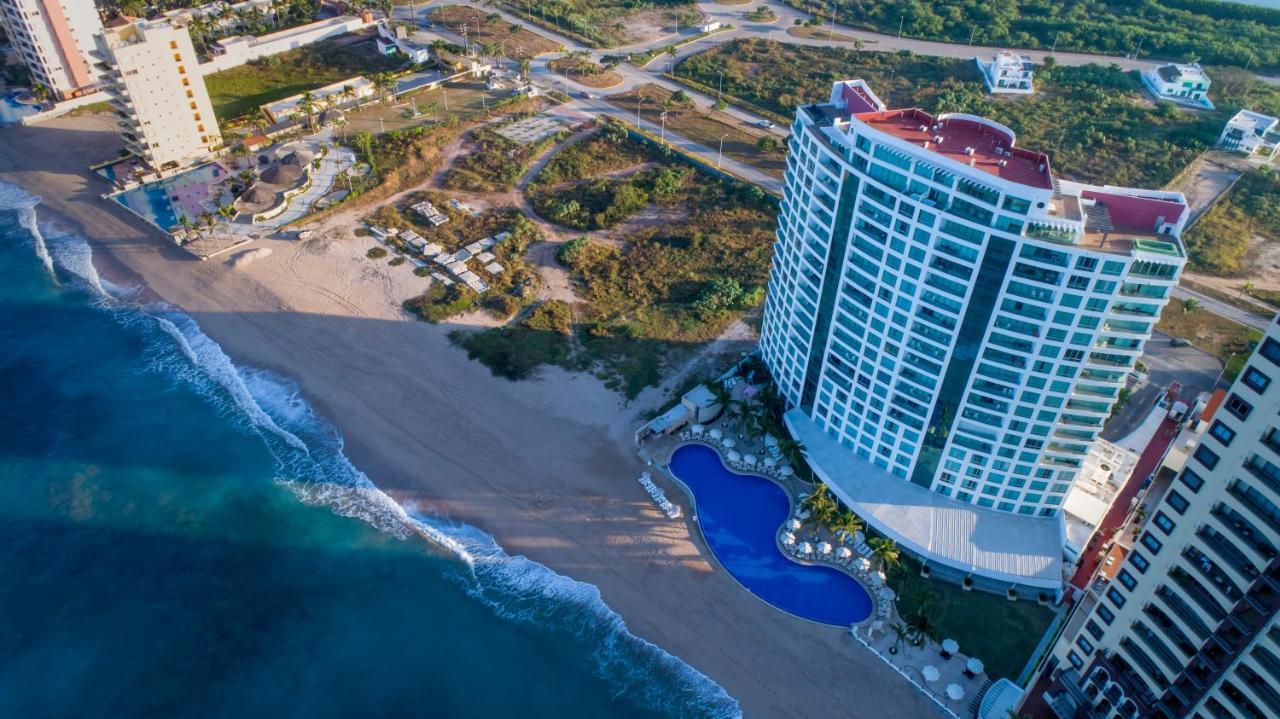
point(987, 141)
point(1215, 401)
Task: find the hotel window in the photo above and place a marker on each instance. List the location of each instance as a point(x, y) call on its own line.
point(1255, 380)
point(1165, 524)
point(1151, 543)
point(1075, 659)
point(1206, 456)
point(1085, 644)
point(1192, 480)
point(1138, 561)
point(1238, 407)
point(1177, 502)
point(1094, 629)
point(1271, 350)
point(1127, 579)
point(1222, 433)
point(1105, 614)
point(1116, 597)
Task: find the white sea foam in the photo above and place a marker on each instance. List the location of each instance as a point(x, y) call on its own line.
point(310, 461)
point(15, 198)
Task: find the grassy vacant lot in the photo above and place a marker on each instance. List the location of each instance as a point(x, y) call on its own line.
point(485, 28)
point(607, 23)
point(584, 72)
point(242, 90)
point(496, 163)
point(705, 127)
point(1094, 122)
point(465, 100)
point(1219, 33)
point(1220, 240)
point(1229, 341)
point(646, 296)
point(1001, 633)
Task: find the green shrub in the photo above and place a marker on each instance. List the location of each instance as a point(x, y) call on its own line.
point(551, 316)
point(440, 303)
point(396, 261)
point(376, 253)
point(571, 251)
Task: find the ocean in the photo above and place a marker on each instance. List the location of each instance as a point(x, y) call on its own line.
point(183, 537)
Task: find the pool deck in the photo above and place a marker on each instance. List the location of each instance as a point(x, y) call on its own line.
point(875, 633)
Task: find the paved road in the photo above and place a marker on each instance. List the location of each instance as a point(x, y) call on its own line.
point(1223, 309)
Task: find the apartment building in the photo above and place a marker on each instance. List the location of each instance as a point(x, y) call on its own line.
point(1183, 84)
point(155, 86)
point(942, 313)
point(1188, 625)
point(55, 39)
point(1252, 133)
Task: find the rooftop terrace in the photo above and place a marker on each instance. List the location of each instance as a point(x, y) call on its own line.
point(972, 142)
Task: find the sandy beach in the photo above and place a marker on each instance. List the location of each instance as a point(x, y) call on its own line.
point(545, 466)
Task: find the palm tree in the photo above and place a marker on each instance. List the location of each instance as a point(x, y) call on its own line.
point(41, 92)
point(226, 212)
point(525, 68)
point(1247, 289)
point(846, 525)
point(1190, 305)
point(920, 623)
point(886, 550)
point(792, 451)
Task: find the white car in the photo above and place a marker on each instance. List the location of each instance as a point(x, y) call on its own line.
point(765, 124)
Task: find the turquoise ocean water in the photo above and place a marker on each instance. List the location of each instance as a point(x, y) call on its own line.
point(181, 537)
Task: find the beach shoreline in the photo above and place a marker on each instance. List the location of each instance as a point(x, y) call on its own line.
point(543, 466)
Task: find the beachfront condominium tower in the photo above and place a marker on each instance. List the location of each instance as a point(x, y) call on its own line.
point(950, 313)
point(1188, 626)
point(153, 78)
point(55, 39)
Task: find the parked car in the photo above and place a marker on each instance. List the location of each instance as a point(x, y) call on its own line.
point(764, 123)
point(1178, 342)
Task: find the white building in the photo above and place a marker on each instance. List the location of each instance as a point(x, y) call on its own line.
point(1252, 133)
point(158, 93)
point(952, 327)
point(55, 39)
point(234, 51)
point(1008, 73)
point(1183, 84)
point(1190, 624)
point(393, 39)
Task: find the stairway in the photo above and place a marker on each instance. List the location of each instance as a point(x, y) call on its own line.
point(977, 698)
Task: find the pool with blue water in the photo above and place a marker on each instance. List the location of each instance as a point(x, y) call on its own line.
point(12, 111)
point(740, 515)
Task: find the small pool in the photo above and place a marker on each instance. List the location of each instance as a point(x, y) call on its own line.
point(740, 515)
point(12, 111)
point(190, 194)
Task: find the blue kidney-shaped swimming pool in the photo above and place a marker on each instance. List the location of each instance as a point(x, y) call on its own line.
point(740, 515)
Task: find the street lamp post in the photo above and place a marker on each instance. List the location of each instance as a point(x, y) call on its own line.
point(720, 86)
point(638, 111)
point(720, 152)
point(663, 135)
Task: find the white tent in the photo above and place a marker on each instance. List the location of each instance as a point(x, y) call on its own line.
point(806, 548)
point(716, 433)
point(729, 443)
point(795, 524)
point(788, 538)
point(732, 456)
point(824, 547)
point(749, 460)
point(844, 552)
point(697, 430)
point(770, 462)
point(786, 471)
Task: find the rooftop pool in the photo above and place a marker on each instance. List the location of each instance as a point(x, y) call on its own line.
point(740, 515)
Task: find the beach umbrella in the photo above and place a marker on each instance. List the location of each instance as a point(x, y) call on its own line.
point(805, 548)
point(864, 563)
point(880, 575)
point(749, 459)
point(930, 673)
point(786, 471)
point(825, 547)
point(697, 429)
point(770, 462)
point(788, 538)
point(733, 456)
point(796, 524)
point(888, 594)
point(770, 441)
point(950, 646)
point(729, 443)
point(716, 433)
point(844, 552)
point(955, 692)
point(974, 665)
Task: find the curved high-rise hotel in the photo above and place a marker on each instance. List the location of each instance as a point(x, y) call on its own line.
point(952, 325)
